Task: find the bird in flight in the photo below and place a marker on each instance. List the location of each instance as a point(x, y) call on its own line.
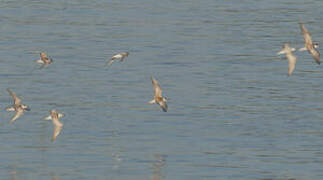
point(120, 56)
point(58, 125)
point(158, 98)
point(44, 60)
point(290, 57)
point(17, 106)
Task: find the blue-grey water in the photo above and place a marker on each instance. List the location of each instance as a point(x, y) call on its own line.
point(233, 112)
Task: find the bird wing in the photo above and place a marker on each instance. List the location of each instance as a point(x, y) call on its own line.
point(124, 55)
point(122, 58)
point(43, 56)
point(315, 54)
point(45, 59)
point(48, 117)
point(111, 61)
point(157, 90)
point(307, 36)
point(291, 63)
point(163, 105)
point(56, 132)
point(19, 113)
point(309, 44)
point(16, 99)
point(58, 125)
point(281, 52)
point(60, 115)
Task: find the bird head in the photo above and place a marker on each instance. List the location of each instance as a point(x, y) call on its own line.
point(25, 107)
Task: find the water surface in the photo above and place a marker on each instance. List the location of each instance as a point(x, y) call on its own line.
point(233, 112)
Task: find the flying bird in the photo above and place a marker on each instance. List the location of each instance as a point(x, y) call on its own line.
point(158, 98)
point(290, 57)
point(58, 125)
point(120, 56)
point(17, 106)
point(44, 60)
point(309, 45)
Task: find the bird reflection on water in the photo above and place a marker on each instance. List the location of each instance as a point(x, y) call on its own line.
point(159, 163)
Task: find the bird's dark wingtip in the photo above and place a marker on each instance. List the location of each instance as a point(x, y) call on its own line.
point(318, 61)
point(164, 108)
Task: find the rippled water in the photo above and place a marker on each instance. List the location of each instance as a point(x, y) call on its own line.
point(233, 112)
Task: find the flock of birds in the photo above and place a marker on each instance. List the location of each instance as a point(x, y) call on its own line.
point(310, 46)
point(55, 116)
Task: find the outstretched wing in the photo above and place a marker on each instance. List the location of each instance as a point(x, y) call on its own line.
point(315, 54)
point(309, 44)
point(56, 132)
point(124, 55)
point(157, 90)
point(122, 58)
point(16, 99)
point(48, 117)
point(111, 61)
point(291, 63)
point(19, 113)
point(307, 36)
point(163, 105)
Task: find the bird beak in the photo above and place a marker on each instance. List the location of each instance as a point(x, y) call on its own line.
point(27, 109)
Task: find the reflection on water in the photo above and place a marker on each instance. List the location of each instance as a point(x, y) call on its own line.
point(160, 162)
point(117, 159)
point(55, 178)
point(13, 173)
